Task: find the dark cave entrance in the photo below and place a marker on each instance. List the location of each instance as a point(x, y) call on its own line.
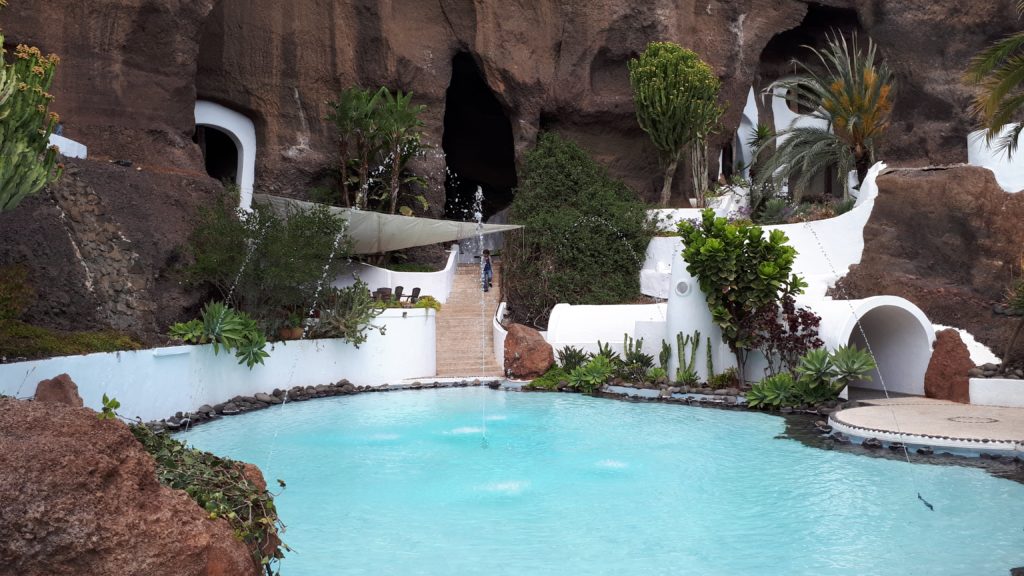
point(220, 154)
point(477, 143)
point(776, 62)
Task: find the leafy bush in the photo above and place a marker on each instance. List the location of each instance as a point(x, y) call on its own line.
point(551, 378)
point(221, 488)
point(585, 239)
point(225, 328)
point(783, 333)
point(740, 271)
point(591, 376)
point(348, 314)
point(21, 340)
point(15, 293)
point(571, 358)
point(820, 376)
point(428, 302)
point(656, 373)
point(264, 264)
point(727, 379)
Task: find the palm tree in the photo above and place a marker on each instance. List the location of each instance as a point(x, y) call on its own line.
point(998, 71)
point(853, 94)
point(355, 115)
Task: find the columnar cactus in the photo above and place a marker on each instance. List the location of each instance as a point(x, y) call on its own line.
point(27, 161)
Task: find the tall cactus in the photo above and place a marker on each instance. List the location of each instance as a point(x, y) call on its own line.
point(675, 94)
point(27, 161)
point(687, 370)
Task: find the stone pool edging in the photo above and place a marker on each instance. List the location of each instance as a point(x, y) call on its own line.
point(925, 443)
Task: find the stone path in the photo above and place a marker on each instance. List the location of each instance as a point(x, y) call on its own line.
point(465, 337)
point(935, 423)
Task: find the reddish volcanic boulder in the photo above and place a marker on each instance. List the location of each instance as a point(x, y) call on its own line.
point(61, 390)
point(80, 496)
point(946, 378)
point(527, 354)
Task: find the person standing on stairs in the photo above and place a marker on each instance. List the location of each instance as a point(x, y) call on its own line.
point(488, 271)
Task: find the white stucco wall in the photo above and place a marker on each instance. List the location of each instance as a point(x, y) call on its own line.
point(156, 383)
point(1009, 171)
point(584, 325)
point(437, 284)
point(243, 133)
point(69, 148)
point(997, 392)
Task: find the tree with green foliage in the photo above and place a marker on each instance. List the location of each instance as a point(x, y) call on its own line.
point(852, 92)
point(740, 270)
point(27, 161)
point(585, 234)
point(379, 132)
point(264, 264)
point(354, 113)
point(676, 98)
point(998, 72)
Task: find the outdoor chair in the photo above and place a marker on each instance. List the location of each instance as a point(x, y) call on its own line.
point(398, 293)
point(414, 296)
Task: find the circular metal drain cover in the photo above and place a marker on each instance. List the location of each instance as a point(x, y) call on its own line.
point(972, 420)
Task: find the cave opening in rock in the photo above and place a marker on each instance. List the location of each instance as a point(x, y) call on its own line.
point(778, 61)
point(477, 143)
point(220, 154)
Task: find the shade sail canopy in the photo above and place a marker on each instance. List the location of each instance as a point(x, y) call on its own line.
point(374, 232)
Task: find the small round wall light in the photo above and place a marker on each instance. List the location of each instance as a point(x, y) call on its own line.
point(682, 288)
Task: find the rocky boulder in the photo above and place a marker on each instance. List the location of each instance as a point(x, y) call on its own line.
point(946, 377)
point(80, 496)
point(527, 354)
point(59, 390)
point(947, 239)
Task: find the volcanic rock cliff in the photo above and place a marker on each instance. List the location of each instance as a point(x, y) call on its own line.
point(492, 75)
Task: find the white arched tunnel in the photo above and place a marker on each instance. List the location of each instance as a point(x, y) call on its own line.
point(894, 330)
point(243, 133)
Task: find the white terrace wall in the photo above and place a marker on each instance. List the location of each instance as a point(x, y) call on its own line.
point(156, 383)
point(437, 284)
point(1009, 171)
point(583, 326)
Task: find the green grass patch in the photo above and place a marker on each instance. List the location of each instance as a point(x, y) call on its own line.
point(551, 378)
point(21, 340)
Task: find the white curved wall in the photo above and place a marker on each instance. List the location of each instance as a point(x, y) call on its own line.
point(584, 325)
point(243, 133)
point(437, 284)
point(155, 383)
point(897, 332)
point(1009, 171)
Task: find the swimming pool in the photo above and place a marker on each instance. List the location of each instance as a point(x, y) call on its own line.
point(475, 481)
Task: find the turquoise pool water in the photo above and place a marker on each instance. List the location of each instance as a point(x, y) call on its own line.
point(402, 483)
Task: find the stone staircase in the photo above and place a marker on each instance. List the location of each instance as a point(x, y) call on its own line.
point(465, 337)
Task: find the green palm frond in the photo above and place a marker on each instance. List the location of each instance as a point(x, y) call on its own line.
point(802, 153)
point(998, 72)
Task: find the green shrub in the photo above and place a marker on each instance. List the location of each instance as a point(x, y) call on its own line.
point(571, 358)
point(221, 488)
point(591, 376)
point(264, 264)
point(820, 377)
point(225, 328)
point(21, 340)
point(15, 293)
point(428, 302)
point(585, 237)
point(348, 313)
point(727, 379)
point(551, 379)
point(656, 373)
point(740, 270)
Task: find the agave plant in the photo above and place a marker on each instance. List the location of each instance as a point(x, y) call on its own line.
point(852, 91)
point(998, 71)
